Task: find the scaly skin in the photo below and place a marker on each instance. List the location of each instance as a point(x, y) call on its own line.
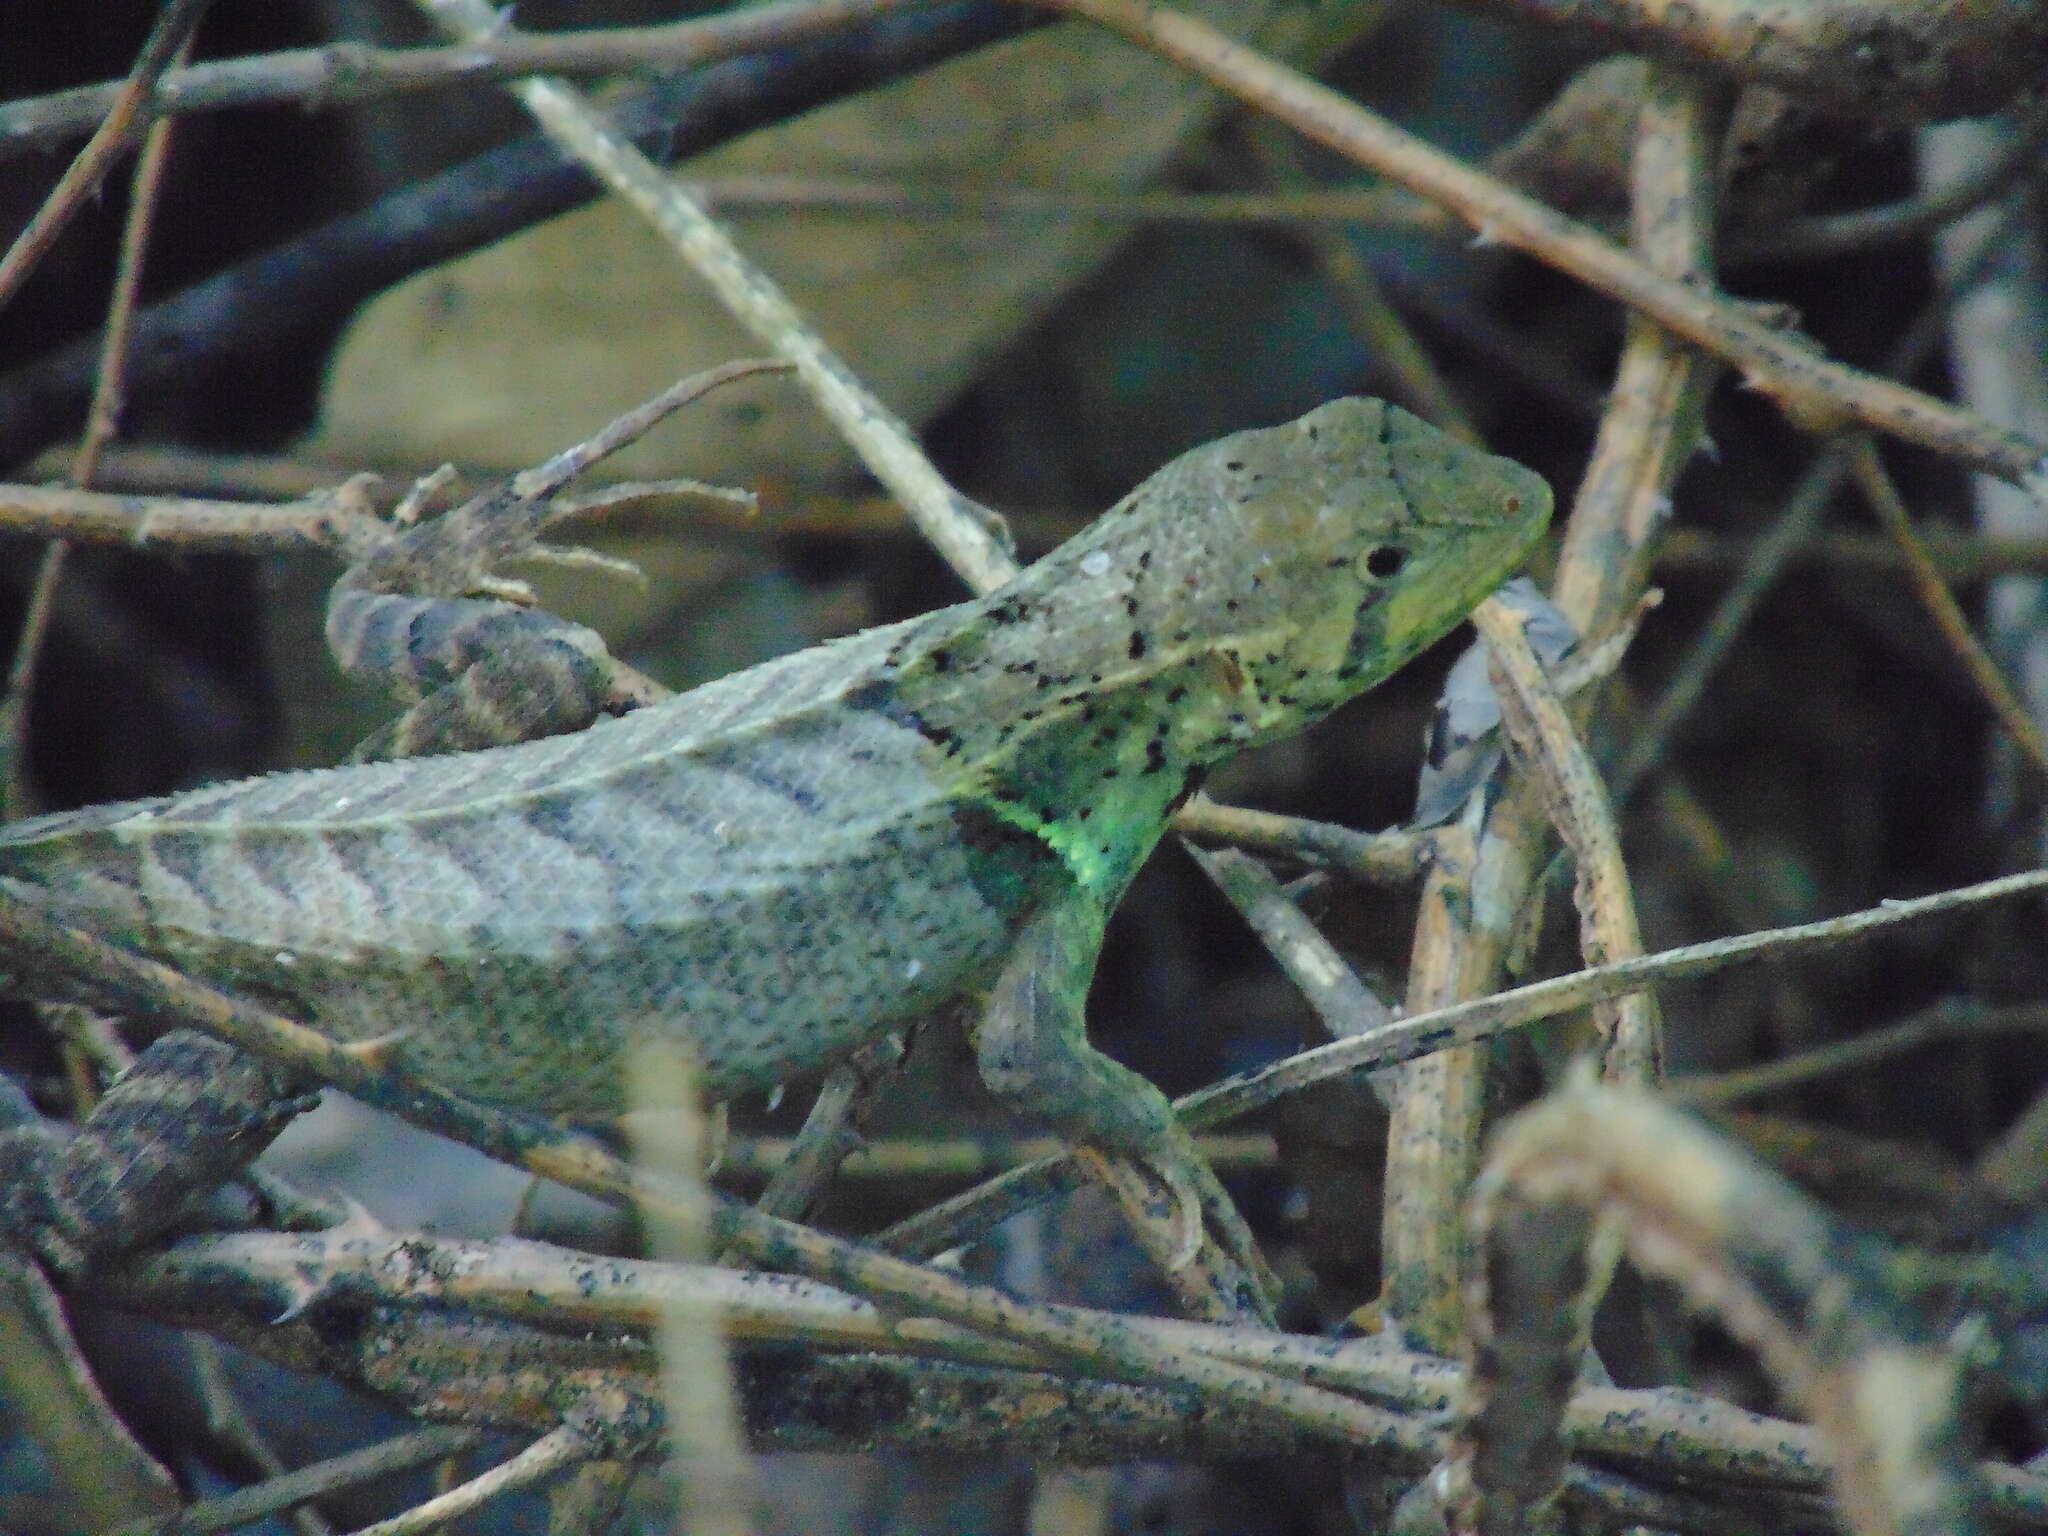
point(781, 865)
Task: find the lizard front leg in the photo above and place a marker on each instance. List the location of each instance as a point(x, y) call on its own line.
point(1033, 1049)
point(421, 609)
point(474, 671)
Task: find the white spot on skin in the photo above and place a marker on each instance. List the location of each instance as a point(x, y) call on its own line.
point(775, 1097)
point(1095, 562)
point(285, 957)
point(913, 970)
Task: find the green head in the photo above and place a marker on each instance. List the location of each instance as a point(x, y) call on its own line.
point(1306, 562)
point(1241, 593)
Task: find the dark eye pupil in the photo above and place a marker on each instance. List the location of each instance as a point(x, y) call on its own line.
point(1385, 561)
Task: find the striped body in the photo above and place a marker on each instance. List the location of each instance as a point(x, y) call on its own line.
point(783, 864)
point(521, 911)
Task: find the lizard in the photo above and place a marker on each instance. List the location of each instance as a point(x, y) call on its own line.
point(781, 865)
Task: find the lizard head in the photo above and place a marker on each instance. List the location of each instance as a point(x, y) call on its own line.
point(1242, 592)
point(1314, 558)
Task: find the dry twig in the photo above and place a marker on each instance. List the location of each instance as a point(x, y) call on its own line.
point(1817, 393)
point(961, 531)
point(343, 73)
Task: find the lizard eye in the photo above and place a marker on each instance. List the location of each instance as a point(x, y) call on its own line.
point(1384, 561)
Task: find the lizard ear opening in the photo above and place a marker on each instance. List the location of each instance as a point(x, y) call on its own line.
point(1384, 562)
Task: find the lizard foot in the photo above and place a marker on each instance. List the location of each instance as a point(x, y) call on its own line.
point(1199, 1239)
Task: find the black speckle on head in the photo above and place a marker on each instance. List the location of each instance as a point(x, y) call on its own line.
point(942, 659)
point(1234, 465)
point(1145, 560)
point(1087, 714)
point(1155, 756)
point(1137, 645)
point(1112, 773)
point(1176, 693)
point(1131, 605)
point(1018, 668)
point(1084, 813)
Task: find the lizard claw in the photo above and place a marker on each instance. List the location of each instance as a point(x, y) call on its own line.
point(1136, 1183)
point(1188, 1227)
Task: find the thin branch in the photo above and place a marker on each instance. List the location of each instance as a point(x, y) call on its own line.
point(707, 1454)
point(962, 532)
point(1371, 207)
point(970, 1215)
point(1958, 556)
point(1656, 1432)
point(102, 425)
point(1476, 905)
point(319, 277)
point(343, 73)
point(274, 1496)
point(1540, 729)
point(174, 24)
point(896, 1158)
point(1376, 858)
point(1890, 60)
point(1481, 1019)
point(1957, 1019)
point(1817, 393)
point(1818, 237)
point(548, 1455)
point(1781, 542)
point(1345, 1004)
point(1941, 605)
